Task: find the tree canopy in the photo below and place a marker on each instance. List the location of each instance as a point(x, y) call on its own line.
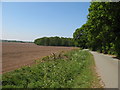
point(54, 41)
point(101, 31)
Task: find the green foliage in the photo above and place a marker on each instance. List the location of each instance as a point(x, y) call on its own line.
point(67, 70)
point(54, 41)
point(101, 31)
point(80, 36)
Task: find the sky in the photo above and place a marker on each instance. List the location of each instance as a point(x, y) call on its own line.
point(0, 20)
point(27, 21)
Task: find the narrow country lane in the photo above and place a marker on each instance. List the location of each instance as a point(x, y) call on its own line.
point(107, 68)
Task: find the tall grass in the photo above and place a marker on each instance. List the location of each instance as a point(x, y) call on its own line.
point(65, 70)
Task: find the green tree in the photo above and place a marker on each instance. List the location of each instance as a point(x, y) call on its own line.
point(54, 41)
point(101, 31)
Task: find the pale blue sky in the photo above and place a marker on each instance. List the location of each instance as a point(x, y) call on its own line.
point(31, 20)
point(0, 20)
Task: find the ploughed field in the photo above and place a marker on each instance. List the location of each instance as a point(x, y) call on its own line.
point(16, 55)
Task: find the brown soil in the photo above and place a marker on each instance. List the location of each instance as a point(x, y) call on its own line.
point(16, 55)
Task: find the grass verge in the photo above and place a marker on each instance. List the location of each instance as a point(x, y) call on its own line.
point(74, 69)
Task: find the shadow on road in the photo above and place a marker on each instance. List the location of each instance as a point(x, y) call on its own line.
point(116, 57)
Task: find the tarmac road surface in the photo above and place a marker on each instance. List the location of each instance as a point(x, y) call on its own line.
point(107, 68)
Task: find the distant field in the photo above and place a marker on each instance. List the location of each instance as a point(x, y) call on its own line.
point(15, 55)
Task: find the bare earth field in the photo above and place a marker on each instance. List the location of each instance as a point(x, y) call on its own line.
point(15, 55)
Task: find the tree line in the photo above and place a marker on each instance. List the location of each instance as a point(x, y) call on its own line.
point(16, 41)
point(101, 32)
point(54, 41)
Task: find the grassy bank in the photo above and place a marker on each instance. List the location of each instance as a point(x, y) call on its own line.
point(74, 69)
